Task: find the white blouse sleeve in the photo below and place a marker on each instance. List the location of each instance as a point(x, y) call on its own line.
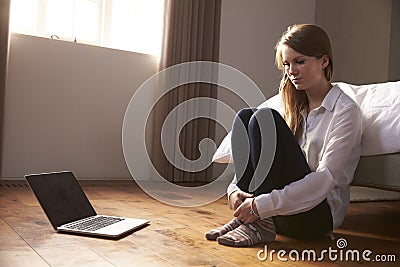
point(232, 188)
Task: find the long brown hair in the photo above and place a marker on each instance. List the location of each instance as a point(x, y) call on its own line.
point(309, 40)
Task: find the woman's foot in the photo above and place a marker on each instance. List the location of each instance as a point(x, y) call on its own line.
point(249, 234)
point(214, 233)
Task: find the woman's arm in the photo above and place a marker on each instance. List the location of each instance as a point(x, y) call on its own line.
point(236, 196)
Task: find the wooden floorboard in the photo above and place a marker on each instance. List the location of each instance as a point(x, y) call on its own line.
point(175, 236)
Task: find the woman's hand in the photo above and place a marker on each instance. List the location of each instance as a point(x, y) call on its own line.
point(237, 198)
point(247, 212)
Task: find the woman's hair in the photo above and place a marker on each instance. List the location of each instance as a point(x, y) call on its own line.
point(309, 40)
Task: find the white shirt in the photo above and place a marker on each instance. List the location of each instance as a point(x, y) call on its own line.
point(331, 143)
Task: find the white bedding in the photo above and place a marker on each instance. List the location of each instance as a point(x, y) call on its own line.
point(380, 107)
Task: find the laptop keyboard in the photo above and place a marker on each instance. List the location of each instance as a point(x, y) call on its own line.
point(93, 224)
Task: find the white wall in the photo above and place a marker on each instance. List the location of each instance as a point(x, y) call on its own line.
point(65, 104)
point(364, 36)
point(394, 56)
point(360, 32)
point(250, 30)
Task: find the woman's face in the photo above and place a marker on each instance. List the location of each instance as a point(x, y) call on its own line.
point(306, 73)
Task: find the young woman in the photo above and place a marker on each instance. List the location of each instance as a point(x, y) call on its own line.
point(305, 193)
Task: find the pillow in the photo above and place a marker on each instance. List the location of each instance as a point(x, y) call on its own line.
point(223, 153)
point(380, 107)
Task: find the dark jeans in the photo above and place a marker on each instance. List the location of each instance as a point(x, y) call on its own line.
point(287, 165)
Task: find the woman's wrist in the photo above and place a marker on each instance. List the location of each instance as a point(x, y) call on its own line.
point(253, 208)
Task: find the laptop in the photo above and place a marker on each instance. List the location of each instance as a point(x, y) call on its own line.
point(69, 210)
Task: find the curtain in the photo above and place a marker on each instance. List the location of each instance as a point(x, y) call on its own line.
point(191, 33)
point(4, 48)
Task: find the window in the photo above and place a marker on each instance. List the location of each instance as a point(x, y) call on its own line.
point(133, 25)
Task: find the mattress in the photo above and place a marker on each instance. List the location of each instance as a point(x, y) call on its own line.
point(380, 171)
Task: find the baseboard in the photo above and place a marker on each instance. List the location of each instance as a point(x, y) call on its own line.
point(377, 186)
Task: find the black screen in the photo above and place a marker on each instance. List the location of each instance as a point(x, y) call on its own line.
point(61, 197)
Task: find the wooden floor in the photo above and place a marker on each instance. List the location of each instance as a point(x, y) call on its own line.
point(175, 236)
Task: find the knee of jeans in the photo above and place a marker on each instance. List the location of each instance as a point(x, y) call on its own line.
point(253, 125)
point(263, 111)
point(245, 113)
point(263, 119)
point(259, 114)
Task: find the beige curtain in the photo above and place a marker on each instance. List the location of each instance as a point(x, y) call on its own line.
point(4, 48)
point(191, 33)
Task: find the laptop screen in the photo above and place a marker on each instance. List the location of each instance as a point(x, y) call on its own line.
point(61, 197)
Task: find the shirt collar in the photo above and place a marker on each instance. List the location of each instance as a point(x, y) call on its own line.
point(329, 101)
point(331, 97)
